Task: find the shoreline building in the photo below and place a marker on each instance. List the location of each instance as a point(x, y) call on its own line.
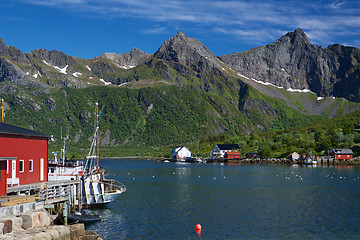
point(220, 150)
point(24, 155)
point(180, 153)
point(340, 153)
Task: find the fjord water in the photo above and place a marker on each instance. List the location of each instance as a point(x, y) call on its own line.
point(167, 200)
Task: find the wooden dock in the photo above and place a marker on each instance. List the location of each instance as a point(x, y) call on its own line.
point(52, 195)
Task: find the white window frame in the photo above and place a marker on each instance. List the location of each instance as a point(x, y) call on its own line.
point(42, 170)
point(7, 166)
point(31, 165)
point(21, 164)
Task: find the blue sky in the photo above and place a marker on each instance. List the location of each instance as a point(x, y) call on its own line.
point(88, 28)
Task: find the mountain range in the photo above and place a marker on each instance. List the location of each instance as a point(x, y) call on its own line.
point(181, 93)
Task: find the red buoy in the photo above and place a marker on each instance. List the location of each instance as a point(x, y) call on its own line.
point(198, 227)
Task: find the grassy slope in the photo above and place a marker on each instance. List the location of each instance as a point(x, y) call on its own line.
point(147, 121)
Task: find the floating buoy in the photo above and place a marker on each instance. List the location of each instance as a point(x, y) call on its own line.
point(198, 227)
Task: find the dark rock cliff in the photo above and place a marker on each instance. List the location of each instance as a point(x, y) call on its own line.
point(348, 72)
point(293, 62)
point(13, 53)
point(54, 58)
point(9, 71)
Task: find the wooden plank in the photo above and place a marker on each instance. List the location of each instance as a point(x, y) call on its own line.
point(15, 201)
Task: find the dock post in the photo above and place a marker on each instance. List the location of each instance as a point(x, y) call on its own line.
point(79, 192)
point(65, 213)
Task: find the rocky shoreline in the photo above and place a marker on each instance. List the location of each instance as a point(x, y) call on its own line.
point(39, 225)
point(355, 161)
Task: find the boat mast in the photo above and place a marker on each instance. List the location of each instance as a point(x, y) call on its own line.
point(97, 137)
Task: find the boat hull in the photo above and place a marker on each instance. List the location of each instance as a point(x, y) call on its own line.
point(98, 191)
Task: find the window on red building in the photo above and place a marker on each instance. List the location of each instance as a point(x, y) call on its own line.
point(31, 165)
point(21, 167)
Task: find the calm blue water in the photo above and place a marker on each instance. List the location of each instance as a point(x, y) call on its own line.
point(167, 200)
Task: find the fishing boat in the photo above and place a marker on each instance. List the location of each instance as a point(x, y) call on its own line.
point(64, 169)
point(310, 161)
point(96, 189)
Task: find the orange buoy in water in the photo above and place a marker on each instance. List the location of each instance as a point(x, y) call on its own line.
point(198, 227)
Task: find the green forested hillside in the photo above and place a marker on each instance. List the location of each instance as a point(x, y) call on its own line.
point(151, 121)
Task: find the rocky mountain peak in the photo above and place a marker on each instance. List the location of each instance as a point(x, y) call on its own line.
point(181, 35)
point(181, 47)
point(3, 47)
point(14, 53)
point(293, 62)
point(128, 59)
point(187, 51)
point(296, 38)
point(136, 51)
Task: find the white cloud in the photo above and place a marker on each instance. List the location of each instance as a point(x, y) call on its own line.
point(336, 4)
point(156, 30)
point(250, 20)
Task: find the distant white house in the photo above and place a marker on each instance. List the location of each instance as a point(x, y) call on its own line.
point(220, 150)
point(180, 153)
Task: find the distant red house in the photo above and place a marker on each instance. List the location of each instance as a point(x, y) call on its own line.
point(251, 155)
point(25, 153)
point(340, 153)
point(232, 155)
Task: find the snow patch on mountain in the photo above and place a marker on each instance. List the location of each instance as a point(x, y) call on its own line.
point(77, 74)
point(105, 82)
point(127, 66)
point(61, 70)
point(260, 82)
point(299, 90)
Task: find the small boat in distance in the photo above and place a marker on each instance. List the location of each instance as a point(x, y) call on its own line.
point(83, 217)
point(310, 161)
point(78, 217)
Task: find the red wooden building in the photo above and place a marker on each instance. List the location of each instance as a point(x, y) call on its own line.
point(232, 155)
point(340, 153)
point(251, 155)
point(25, 153)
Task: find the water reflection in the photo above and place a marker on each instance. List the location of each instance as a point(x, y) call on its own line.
point(166, 201)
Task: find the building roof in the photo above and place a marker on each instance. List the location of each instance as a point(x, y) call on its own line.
point(178, 149)
point(344, 151)
point(228, 146)
point(14, 130)
point(233, 153)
